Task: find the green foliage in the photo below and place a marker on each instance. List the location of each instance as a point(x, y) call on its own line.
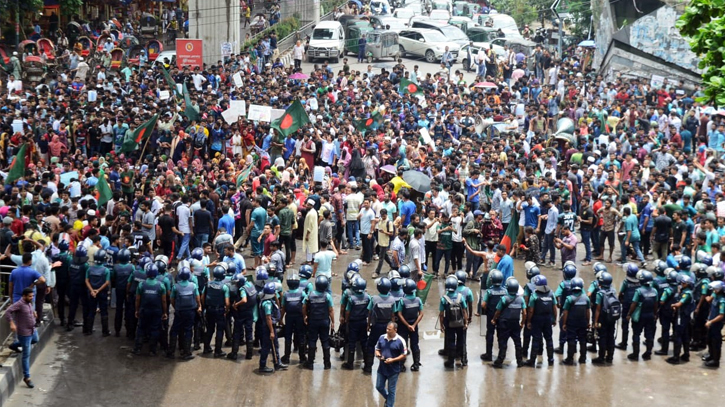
point(522, 11)
point(703, 23)
point(70, 7)
point(284, 28)
point(327, 6)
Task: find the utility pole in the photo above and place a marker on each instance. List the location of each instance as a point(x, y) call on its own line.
point(561, 27)
point(17, 23)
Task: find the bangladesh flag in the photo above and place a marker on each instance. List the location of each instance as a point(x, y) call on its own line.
point(242, 177)
point(169, 80)
point(371, 123)
point(103, 191)
point(407, 86)
point(512, 232)
point(189, 111)
point(143, 131)
point(292, 119)
point(17, 168)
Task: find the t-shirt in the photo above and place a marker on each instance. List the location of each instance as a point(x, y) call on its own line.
point(166, 223)
point(324, 260)
point(663, 224)
point(127, 177)
point(386, 225)
point(202, 222)
point(406, 211)
point(22, 277)
point(258, 219)
point(631, 224)
point(445, 239)
point(183, 214)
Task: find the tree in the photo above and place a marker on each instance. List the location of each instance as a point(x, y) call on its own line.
point(522, 11)
point(71, 7)
point(703, 23)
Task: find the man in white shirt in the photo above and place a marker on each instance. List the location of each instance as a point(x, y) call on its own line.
point(183, 213)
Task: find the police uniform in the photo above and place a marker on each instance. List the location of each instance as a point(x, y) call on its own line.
point(166, 280)
point(216, 295)
point(714, 335)
point(645, 301)
point(184, 294)
point(592, 293)
point(563, 291)
point(702, 310)
point(244, 318)
point(151, 294)
point(294, 324)
point(667, 297)
point(77, 292)
point(318, 325)
point(528, 289)
point(229, 318)
point(380, 309)
point(201, 279)
point(356, 311)
point(626, 294)
point(97, 276)
point(491, 297)
point(541, 304)
point(269, 308)
point(576, 306)
point(681, 322)
point(409, 308)
point(134, 281)
point(62, 283)
point(607, 324)
point(510, 308)
point(120, 276)
point(454, 341)
point(468, 295)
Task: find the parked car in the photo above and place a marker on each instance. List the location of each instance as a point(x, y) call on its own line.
point(452, 33)
point(476, 48)
point(440, 15)
point(430, 44)
point(506, 23)
point(382, 22)
point(406, 13)
point(327, 41)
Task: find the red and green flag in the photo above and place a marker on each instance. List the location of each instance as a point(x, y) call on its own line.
point(244, 175)
point(103, 190)
point(407, 86)
point(512, 232)
point(130, 143)
point(293, 118)
point(370, 123)
point(17, 168)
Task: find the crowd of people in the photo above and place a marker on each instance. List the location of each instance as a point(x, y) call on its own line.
point(641, 172)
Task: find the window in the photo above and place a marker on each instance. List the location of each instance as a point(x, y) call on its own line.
point(322, 34)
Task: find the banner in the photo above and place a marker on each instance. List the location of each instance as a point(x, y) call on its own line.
point(260, 113)
point(238, 80)
point(240, 106)
point(67, 176)
point(189, 53)
point(164, 94)
point(231, 116)
point(226, 49)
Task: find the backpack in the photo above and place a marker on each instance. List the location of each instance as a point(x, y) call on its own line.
point(611, 306)
point(454, 312)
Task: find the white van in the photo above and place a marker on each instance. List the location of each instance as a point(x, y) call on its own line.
point(379, 7)
point(327, 41)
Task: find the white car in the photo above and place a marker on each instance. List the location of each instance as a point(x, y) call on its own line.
point(381, 22)
point(167, 58)
point(440, 15)
point(406, 13)
point(429, 44)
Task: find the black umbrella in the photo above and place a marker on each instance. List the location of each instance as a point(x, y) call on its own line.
point(417, 180)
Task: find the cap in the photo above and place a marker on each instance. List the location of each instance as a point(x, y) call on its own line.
point(477, 212)
point(7, 221)
point(597, 152)
point(91, 212)
point(311, 202)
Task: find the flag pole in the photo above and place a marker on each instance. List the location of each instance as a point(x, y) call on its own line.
point(140, 158)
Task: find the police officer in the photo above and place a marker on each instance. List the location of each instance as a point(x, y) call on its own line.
point(642, 312)
point(186, 302)
point(122, 270)
point(62, 278)
point(660, 279)
point(562, 293)
point(77, 291)
point(714, 324)
point(468, 294)
point(608, 309)
point(270, 315)
point(294, 322)
point(396, 286)
point(319, 314)
point(356, 315)
point(575, 320)
point(231, 281)
point(488, 301)
point(261, 277)
point(592, 292)
point(151, 309)
point(246, 314)
point(509, 316)
point(453, 317)
point(216, 302)
point(380, 307)
point(409, 310)
point(626, 295)
point(134, 280)
point(167, 280)
point(684, 265)
point(702, 309)
point(350, 274)
point(540, 319)
point(531, 272)
point(682, 308)
point(305, 275)
point(666, 312)
point(98, 279)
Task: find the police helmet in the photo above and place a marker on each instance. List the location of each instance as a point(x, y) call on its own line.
point(644, 277)
point(631, 269)
point(717, 286)
point(271, 268)
point(162, 258)
point(384, 285)
point(321, 283)
point(64, 246)
point(532, 272)
point(461, 276)
point(184, 270)
point(353, 267)
point(124, 256)
point(151, 270)
point(395, 284)
point(261, 274)
point(305, 271)
point(512, 286)
point(577, 284)
point(686, 281)
point(349, 275)
point(269, 290)
point(161, 265)
point(495, 277)
point(218, 273)
point(660, 268)
point(685, 262)
point(706, 259)
point(699, 270)
point(409, 286)
point(182, 264)
point(359, 284)
point(569, 263)
point(196, 266)
point(100, 257)
point(717, 274)
point(604, 279)
point(569, 271)
point(142, 262)
point(184, 275)
point(278, 286)
point(529, 264)
point(672, 277)
point(539, 280)
point(393, 274)
point(404, 271)
point(599, 266)
point(81, 252)
point(451, 283)
point(293, 281)
point(231, 268)
point(197, 253)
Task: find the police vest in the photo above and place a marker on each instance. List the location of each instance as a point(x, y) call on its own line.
point(648, 299)
point(411, 309)
point(215, 295)
point(512, 311)
point(139, 276)
point(383, 309)
point(293, 303)
point(494, 297)
point(97, 276)
point(248, 307)
point(317, 308)
point(77, 272)
point(275, 309)
point(666, 307)
point(62, 272)
point(544, 304)
point(661, 284)
point(398, 294)
point(686, 309)
point(715, 308)
point(359, 307)
point(303, 285)
point(185, 298)
point(233, 289)
point(565, 292)
point(628, 294)
point(697, 292)
point(578, 310)
point(122, 273)
point(151, 295)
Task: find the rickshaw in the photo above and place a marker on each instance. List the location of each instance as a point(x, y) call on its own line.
point(382, 44)
point(153, 49)
point(73, 30)
point(134, 53)
point(258, 24)
point(84, 46)
point(118, 34)
point(148, 25)
point(102, 41)
point(45, 46)
point(353, 32)
point(128, 42)
point(34, 68)
point(28, 47)
point(117, 56)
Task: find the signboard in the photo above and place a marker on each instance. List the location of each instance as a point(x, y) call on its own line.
point(226, 49)
point(189, 53)
point(164, 94)
point(231, 116)
point(657, 81)
point(260, 113)
point(238, 80)
point(240, 106)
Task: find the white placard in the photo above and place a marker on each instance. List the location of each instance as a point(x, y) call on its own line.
point(17, 126)
point(277, 113)
point(226, 49)
point(180, 88)
point(231, 116)
point(421, 101)
point(721, 209)
point(164, 94)
point(240, 106)
point(425, 135)
point(260, 113)
point(238, 82)
point(92, 96)
point(657, 81)
point(313, 104)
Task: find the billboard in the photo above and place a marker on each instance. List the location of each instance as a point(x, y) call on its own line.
point(189, 53)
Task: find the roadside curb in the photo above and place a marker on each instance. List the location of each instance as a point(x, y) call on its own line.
point(11, 373)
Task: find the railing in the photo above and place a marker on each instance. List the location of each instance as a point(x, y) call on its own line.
point(289, 41)
point(7, 300)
